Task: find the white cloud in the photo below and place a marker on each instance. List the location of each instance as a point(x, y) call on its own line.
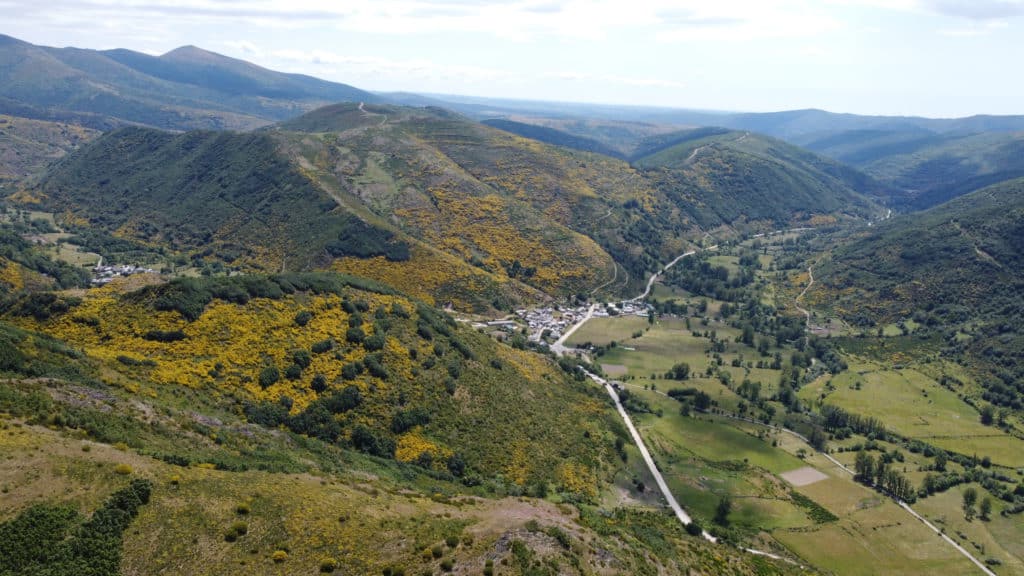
point(978, 10)
point(414, 69)
point(422, 70)
point(243, 46)
point(740, 20)
point(974, 29)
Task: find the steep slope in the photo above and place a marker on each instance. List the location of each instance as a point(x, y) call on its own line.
point(494, 198)
point(184, 89)
point(234, 497)
point(722, 176)
point(957, 269)
point(929, 168)
point(351, 362)
point(241, 200)
point(427, 200)
point(490, 198)
point(28, 147)
point(553, 136)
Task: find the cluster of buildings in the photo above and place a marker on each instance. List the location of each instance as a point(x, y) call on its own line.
point(556, 322)
point(549, 319)
point(549, 323)
point(104, 274)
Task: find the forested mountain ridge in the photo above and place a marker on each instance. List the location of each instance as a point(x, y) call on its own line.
point(925, 169)
point(187, 88)
point(956, 268)
point(395, 191)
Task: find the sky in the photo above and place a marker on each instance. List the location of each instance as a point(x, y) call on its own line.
point(936, 58)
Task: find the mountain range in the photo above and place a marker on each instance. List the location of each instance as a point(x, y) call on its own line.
point(319, 373)
point(186, 88)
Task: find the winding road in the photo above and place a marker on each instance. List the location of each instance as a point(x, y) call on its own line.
point(560, 349)
point(796, 302)
point(366, 112)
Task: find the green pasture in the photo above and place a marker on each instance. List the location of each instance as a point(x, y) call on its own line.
point(916, 406)
point(878, 539)
point(1000, 538)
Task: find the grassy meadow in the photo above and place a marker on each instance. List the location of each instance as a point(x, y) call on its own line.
point(707, 456)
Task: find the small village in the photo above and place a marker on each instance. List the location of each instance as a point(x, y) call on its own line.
point(104, 274)
point(547, 324)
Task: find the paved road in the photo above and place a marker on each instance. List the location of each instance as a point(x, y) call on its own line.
point(654, 277)
point(806, 313)
point(672, 503)
point(559, 348)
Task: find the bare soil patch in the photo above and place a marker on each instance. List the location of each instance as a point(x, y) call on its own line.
point(803, 476)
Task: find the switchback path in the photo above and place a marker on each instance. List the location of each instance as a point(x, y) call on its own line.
point(810, 275)
point(366, 112)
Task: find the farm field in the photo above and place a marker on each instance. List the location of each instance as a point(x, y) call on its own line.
point(704, 457)
point(916, 406)
point(1000, 537)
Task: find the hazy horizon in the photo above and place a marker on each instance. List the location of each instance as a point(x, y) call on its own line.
point(931, 58)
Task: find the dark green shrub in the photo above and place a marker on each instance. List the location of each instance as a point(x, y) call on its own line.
point(355, 335)
point(302, 358)
point(323, 346)
point(374, 343)
point(408, 419)
point(269, 376)
point(350, 371)
point(164, 336)
point(319, 384)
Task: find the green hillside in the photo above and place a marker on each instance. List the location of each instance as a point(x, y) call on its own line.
point(187, 88)
point(28, 147)
point(722, 176)
point(955, 269)
point(553, 136)
point(927, 168)
point(414, 445)
point(437, 205)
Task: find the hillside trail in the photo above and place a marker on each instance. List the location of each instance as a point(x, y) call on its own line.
point(796, 301)
point(366, 112)
point(700, 149)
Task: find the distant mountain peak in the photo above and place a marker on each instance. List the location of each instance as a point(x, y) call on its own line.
point(195, 54)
